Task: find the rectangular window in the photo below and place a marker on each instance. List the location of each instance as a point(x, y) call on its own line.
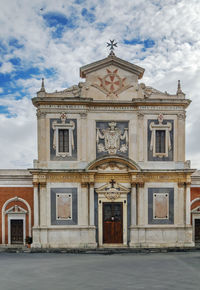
point(63, 141)
point(63, 206)
point(160, 141)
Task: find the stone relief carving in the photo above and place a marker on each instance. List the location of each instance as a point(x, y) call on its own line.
point(63, 125)
point(112, 137)
point(112, 166)
point(160, 126)
point(112, 190)
point(112, 84)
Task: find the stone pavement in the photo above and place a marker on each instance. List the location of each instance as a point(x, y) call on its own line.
point(42, 271)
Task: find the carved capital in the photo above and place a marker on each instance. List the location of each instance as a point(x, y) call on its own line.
point(140, 115)
point(141, 184)
point(133, 184)
point(83, 115)
point(181, 184)
point(84, 184)
point(181, 116)
point(40, 114)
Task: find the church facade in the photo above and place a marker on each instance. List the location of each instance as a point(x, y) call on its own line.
point(111, 169)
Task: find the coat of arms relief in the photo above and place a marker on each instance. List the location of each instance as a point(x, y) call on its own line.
point(113, 139)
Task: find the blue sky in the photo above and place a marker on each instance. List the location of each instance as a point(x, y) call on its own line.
point(52, 39)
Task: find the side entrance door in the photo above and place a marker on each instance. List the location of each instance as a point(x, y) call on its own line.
point(112, 222)
point(197, 231)
point(16, 231)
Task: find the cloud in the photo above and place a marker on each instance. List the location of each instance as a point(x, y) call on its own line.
point(6, 68)
point(53, 39)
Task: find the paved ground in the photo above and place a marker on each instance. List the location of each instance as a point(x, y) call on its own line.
point(81, 271)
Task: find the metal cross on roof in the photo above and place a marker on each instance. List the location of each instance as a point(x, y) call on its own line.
point(112, 44)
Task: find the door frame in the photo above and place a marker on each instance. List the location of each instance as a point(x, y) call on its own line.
point(102, 199)
point(18, 216)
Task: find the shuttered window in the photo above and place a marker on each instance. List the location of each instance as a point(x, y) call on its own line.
point(160, 141)
point(63, 140)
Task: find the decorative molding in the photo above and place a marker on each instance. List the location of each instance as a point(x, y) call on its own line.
point(161, 108)
point(112, 166)
point(112, 190)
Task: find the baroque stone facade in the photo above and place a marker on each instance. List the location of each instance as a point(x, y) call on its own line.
point(111, 167)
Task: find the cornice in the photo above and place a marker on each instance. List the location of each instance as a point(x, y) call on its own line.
point(38, 101)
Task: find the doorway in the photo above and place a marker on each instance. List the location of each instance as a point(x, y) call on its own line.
point(197, 231)
point(112, 222)
point(17, 231)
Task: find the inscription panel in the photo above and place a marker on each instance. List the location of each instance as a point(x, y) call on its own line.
point(160, 205)
point(64, 210)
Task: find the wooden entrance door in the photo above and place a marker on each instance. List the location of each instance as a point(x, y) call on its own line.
point(16, 231)
point(112, 222)
point(197, 231)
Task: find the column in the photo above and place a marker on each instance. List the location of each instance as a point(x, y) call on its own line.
point(141, 205)
point(84, 204)
point(133, 205)
point(82, 146)
point(140, 133)
point(36, 212)
point(43, 205)
point(181, 137)
point(91, 221)
point(187, 204)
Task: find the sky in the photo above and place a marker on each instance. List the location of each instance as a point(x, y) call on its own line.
point(53, 39)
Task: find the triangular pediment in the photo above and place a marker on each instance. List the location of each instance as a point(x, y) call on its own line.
point(114, 61)
point(112, 78)
point(16, 210)
point(112, 187)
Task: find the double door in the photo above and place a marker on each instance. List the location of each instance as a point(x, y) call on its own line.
point(112, 222)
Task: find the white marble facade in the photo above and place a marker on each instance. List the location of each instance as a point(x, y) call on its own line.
point(113, 150)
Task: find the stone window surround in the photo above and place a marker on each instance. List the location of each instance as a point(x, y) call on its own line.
point(158, 127)
point(66, 126)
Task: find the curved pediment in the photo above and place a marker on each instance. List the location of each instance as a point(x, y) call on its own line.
point(114, 163)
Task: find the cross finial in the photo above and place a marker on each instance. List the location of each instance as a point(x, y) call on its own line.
point(42, 86)
point(112, 44)
point(112, 182)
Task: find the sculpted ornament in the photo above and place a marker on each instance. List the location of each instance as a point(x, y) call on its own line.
point(112, 84)
point(112, 137)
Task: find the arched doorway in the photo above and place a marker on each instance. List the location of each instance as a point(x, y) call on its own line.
point(16, 221)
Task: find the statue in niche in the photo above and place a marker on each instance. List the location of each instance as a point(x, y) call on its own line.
point(112, 137)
